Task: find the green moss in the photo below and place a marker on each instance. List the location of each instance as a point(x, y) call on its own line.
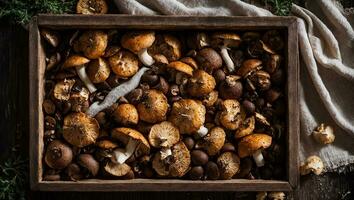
point(279, 7)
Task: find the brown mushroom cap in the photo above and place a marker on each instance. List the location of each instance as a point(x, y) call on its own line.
point(188, 115)
point(98, 70)
point(190, 61)
point(231, 39)
point(138, 40)
point(88, 161)
point(252, 143)
point(168, 45)
point(164, 134)
point(230, 114)
point(213, 141)
point(106, 144)
point(124, 134)
point(79, 99)
point(50, 36)
point(80, 129)
point(211, 98)
point(93, 43)
point(124, 63)
point(126, 114)
point(58, 155)
point(246, 127)
point(181, 67)
point(116, 169)
point(75, 61)
point(229, 165)
point(62, 89)
point(248, 66)
point(209, 59)
point(153, 108)
point(201, 83)
point(91, 7)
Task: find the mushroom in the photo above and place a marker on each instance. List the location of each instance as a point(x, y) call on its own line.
point(58, 155)
point(201, 83)
point(134, 141)
point(98, 70)
point(198, 40)
point(153, 107)
point(246, 127)
point(261, 79)
point(164, 135)
point(312, 164)
point(88, 162)
point(253, 145)
point(323, 134)
point(90, 7)
point(272, 63)
point(248, 67)
point(51, 37)
point(225, 41)
point(212, 170)
point(79, 63)
point(276, 196)
point(230, 114)
point(177, 166)
point(138, 42)
point(231, 87)
point(126, 114)
point(62, 89)
point(106, 144)
point(189, 116)
point(92, 43)
point(190, 61)
point(53, 61)
point(117, 169)
point(80, 129)
point(210, 99)
point(213, 141)
point(261, 196)
point(229, 165)
point(79, 100)
point(167, 45)
point(124, 63)
point(181, 67)
point(111, 50)
point(209, 59)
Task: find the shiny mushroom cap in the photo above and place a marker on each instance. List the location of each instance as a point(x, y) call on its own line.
point(164, 134)
point(209, 59)
point(226, 39)
point(252, 143)
point(229, 165)
point(116, 169)
point(153, 107)
point(230, 114)
point(90, 7)
point(62, 89)
point(201, 83)
point(181, 67)
point(88, 161)
point(92, 43)
point(124, 63)
point(138, 40)
point(126, 114)
point(249, 66)
point(75, 61)
point(80, 129)
point(98, 70)
point(188, 115)
point(58, 155)
point(213, 141)
point(246, 127)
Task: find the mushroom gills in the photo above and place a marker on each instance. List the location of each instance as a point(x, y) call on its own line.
point(227, 59)
point(165, 152)
point(145, 58)
point(202, 131)
point(120, 156)
point(81, 72)
point(258, 158)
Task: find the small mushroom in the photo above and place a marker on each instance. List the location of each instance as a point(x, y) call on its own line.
point(138, 42)
point(62, 89)
point(51, 37)
point(126, 114)
point(88, 161)
point(98, 70)
point(164, 135)
point(189, 116)
point(323, 134)
point(312, 164)
point(53, 61)
point(134, 141)
point(248, 67)
point(225, 41)
point(261, 119)
point(153, 107)
point(198, 40)
point(201, 83)
point(116, 169)
point(48, 106)
point(190, 61)
point(177, 166)
point(124, 64)
point(78, 62)
point(80, 129)
point(58, 155)
point(210, 99)
point(212, 170)
point(231, 87)
point(106, 144)
point(78, 100)
point(246, 127)
point(253, 145)
point(229, 165)
point(111, 50)
point(272, 63)
point(90, 7)
point(92, 43)
point(261, 79)
point(209, 59)
point(181, 67)
point(276, 196)
point(74, 172)
point(167, 45)
point(261, 196)
point(230, 114)
point(213, 141)
point(274, 40)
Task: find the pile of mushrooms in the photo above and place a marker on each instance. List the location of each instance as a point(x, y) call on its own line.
point(123, 104)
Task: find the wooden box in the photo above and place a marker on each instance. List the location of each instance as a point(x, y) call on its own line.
point(288, 25)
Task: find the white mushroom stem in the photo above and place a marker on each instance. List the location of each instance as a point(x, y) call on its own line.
point(81, 72)
point(165, 152)
point(116, 93)
point(121, 155)
point(227, 59)
point(258, 158)
point(145, 58)
point(202, 131)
